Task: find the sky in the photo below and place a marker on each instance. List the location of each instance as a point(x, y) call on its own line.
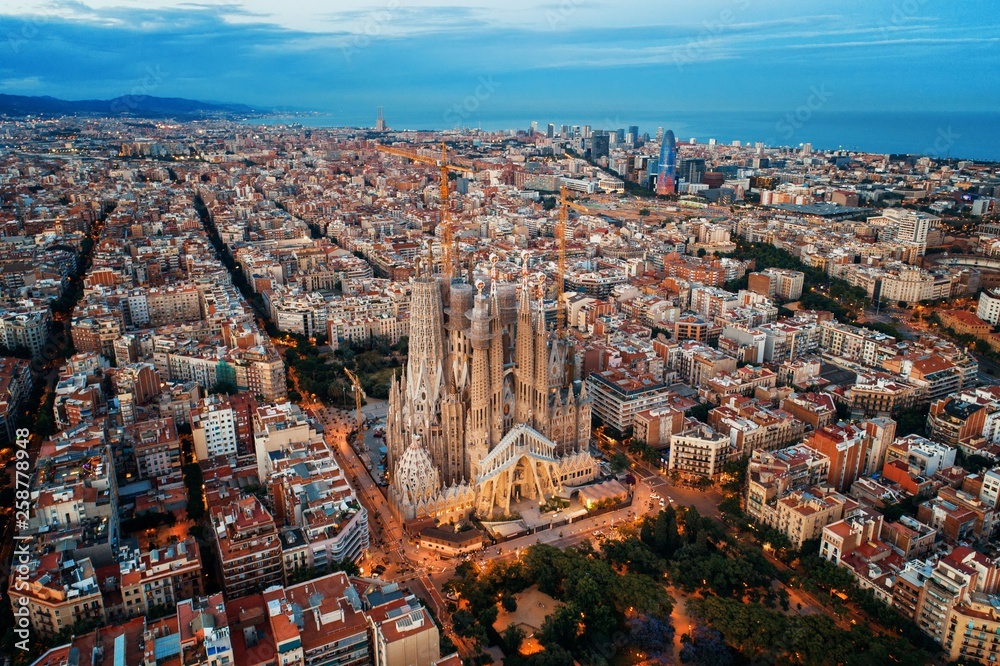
point(445, 63)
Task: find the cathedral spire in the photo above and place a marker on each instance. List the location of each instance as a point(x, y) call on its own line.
point(524, 347)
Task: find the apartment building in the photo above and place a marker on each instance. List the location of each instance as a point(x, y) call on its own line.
point(989, 306)
point(963, 416)
point(402, 632)
point(15, 386)
point(161, 577)
point(655, 426)
point(618, 395)
point(247, 543)
point(313, 498)
point(213, 428)
point(156, 447)
point(859, 526)
point(846, 447)
point(319, 622)
point(920, 454)
point(751, 425)
point(170, 305)
point(777, 283)
point(26, 325)
point(973, 630)
point(59, 592)
point(700, 451)
point(775, 474)
point(880, 394)
point(816, 410)
point(802, 514)
point(867, 346)
point(934, 375)
point(698, 363)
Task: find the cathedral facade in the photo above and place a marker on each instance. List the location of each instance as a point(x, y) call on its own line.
point(487, 413)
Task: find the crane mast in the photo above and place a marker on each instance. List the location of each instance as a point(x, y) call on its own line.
point(359, 395)
point(448, 254)
point(564, 205)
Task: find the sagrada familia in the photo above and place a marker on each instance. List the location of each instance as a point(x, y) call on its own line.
point(487, 413)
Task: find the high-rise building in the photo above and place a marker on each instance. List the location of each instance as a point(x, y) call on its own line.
point(463, 432)
point(550, 131)
point(634, 131)
point(380, 121)
point(534, 127)
point(692, 169)
point(666, 176)
point(600, 145)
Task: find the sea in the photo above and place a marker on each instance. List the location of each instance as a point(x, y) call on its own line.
point(974, 136)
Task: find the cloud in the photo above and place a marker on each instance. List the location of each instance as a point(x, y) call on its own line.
point(23, 85)
point(424, 55)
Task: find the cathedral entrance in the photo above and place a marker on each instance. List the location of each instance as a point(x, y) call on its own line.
point(524, 484)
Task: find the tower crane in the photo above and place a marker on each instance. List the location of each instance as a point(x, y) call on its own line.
point(359, 395)
point(448, 250)
point(564, 205)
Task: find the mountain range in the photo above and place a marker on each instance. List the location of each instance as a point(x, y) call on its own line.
point(141, 106)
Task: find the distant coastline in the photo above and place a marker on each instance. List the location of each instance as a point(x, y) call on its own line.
point(973, 136)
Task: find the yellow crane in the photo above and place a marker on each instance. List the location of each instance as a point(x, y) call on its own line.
point(447, 243)
point(564, 205)
point(359, 395)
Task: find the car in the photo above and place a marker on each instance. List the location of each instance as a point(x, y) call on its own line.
point(662, 503)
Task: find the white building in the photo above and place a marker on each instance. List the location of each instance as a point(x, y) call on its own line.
point(990, 492)
point(989, 306)
point(213, 428)
point(911, 226)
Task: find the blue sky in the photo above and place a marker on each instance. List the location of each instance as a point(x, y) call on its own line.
point(439, 62)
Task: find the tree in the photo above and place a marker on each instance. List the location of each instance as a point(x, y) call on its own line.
point(731, 507)
point(700, 412)
point(912, 421)
point(509, 603)
point(705, 646)
point(560, 628)
point(513, 636)
point(651, 635)
point(619, 462)
point(196, 496)
point(974, 463)
point(666, 539)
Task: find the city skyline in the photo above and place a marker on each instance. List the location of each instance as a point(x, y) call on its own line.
point(775, 72)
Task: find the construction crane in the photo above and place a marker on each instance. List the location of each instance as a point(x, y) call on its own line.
point(447, 244)
point(565, 204)
point(359, 395)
